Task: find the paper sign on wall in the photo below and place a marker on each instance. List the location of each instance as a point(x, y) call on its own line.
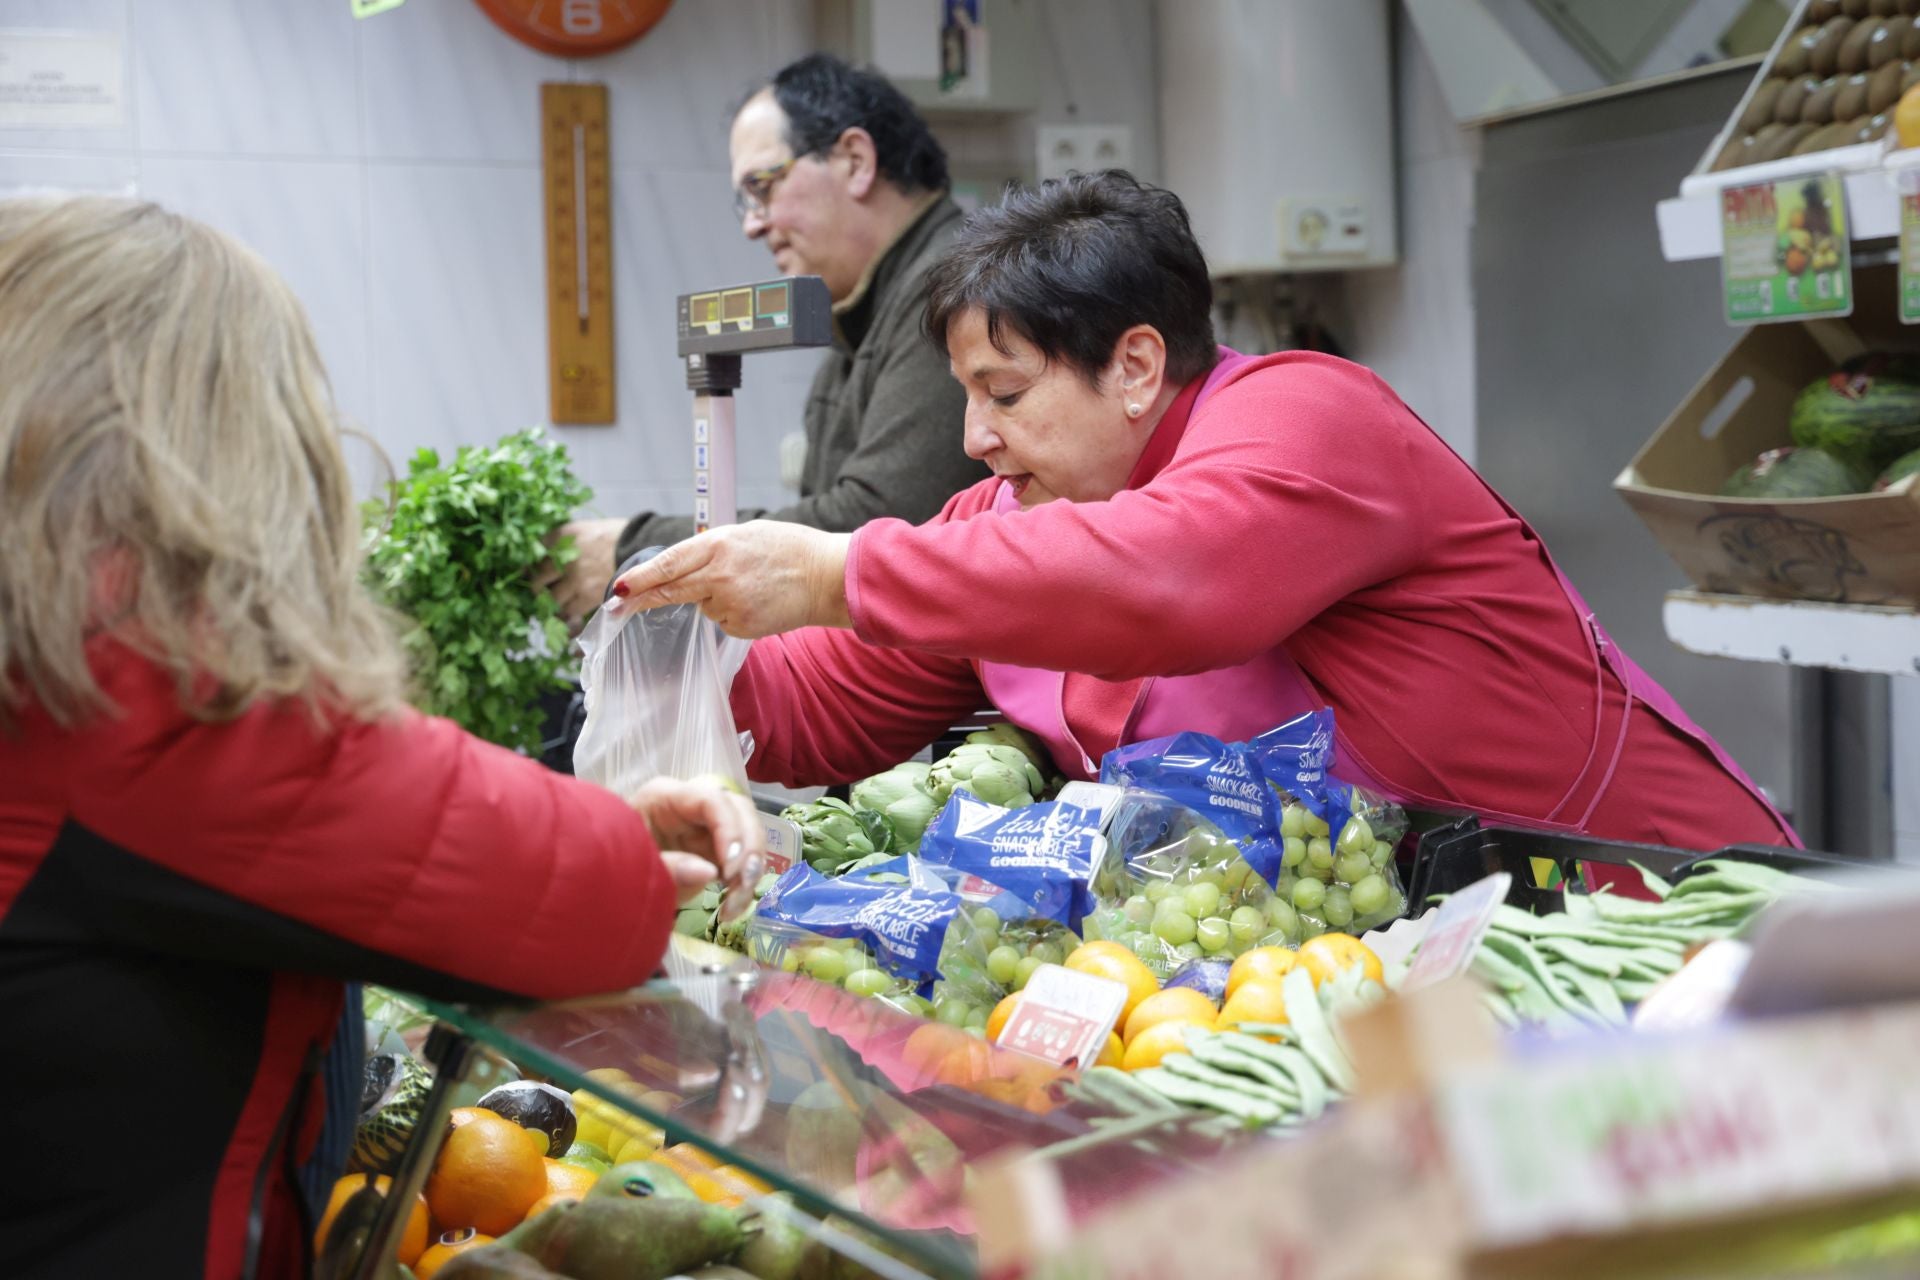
point(61, 80)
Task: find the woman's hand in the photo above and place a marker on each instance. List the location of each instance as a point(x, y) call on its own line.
point(755, 579)
point(705, 833)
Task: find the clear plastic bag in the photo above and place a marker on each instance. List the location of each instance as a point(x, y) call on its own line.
point(655, 684)
point(1337, 840)
point(1174, 890)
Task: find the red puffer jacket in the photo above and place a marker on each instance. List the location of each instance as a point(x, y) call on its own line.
point(179, 904)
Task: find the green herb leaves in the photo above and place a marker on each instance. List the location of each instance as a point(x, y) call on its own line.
point(456, 553)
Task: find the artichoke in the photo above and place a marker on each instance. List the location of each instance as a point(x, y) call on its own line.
point(996, 773)
point(900, 796)
point(833, 833)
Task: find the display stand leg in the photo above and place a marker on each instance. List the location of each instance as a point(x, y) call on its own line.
point(450, 1052)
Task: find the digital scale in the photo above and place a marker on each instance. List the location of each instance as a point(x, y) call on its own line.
point(716, 328)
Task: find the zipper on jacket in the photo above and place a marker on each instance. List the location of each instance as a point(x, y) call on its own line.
point(278, 1147)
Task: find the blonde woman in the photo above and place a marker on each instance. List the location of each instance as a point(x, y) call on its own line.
point(214, 805)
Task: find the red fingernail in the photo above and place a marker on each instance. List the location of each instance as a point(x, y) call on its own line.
point(620, 589)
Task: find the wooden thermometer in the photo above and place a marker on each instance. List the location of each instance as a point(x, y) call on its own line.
point(578, 177)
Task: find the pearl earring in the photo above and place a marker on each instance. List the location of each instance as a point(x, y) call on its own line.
point(1134, 411)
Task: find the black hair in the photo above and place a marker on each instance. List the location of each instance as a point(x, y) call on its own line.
point(824, 97)
point(1072, 264)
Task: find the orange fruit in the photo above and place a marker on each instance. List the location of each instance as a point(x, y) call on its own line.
point(1254, 1002)
point(1325, 956)
point(929, 1046)
point(444, 1250)
point(487, 1176)
point(1174, 1004)
point(997, 1020)
point(967, 1063)
point(1112, 961)
point(462, 1115)
point(712, 1181)
point(1260, 964)
point(413, 1241)
point(1906, 118)
point(568, 1179)
point(1115, 1054)
point(547, 1202)
point(1156, 1042)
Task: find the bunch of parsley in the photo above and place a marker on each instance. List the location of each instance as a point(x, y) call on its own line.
point(455, 551)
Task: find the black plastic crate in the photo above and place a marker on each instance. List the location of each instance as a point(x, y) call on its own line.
point(1452, 855)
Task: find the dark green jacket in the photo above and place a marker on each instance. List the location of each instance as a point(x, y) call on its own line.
point(884, 417)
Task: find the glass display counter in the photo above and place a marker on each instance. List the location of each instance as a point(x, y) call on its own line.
point(873, 1122)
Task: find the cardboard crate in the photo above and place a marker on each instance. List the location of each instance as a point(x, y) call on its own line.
point(1859, 549)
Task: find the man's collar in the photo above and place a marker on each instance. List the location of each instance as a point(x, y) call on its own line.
point(851, 313)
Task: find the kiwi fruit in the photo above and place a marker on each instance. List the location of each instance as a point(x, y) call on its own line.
point(1818, 107)
point(1876, 127)
point(1831, 135)
point(1884, 8)
point(1852, 100)
point(1885, 45)
point(1772, 142)
point(1759, 108)
point(1883, 88)
point(1786, 107)
point(1906, 6)
point(1821, 10)
point(1855, 8)
point(1853, 50)
point(1789, 142)
point(1796, 54)
point(1824, 58)
point(1910, 79)
point(1737, 152)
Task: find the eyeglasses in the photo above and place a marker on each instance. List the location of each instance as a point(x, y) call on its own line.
point(756, 189)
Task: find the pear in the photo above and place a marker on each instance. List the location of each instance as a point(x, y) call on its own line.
point(494, 1262)
point(650, 1239)
point(641, 1180)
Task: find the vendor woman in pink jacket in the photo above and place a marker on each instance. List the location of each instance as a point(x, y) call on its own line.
point(1177, 536)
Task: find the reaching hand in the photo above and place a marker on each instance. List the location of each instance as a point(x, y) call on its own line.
point(705, 833)
point(755, 579)
point(578, 588)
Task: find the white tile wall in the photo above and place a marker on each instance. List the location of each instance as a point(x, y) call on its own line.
point(1413, 323)
point(243, 77)
point(389, 169)
point(304, 217)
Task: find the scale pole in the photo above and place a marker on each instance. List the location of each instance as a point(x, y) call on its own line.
point(715, 493)
point(713, 377)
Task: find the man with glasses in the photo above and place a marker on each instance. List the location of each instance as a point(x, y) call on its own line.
point(837, 173)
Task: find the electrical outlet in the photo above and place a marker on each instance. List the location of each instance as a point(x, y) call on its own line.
point(1085, 148)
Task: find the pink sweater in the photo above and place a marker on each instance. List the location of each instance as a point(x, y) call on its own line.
point(1304, 505)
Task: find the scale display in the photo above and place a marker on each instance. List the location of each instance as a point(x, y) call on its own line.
point(791, 312)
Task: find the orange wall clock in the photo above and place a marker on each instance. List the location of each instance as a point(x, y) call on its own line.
point(575, 28)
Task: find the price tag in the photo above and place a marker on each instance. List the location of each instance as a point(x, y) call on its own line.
point(783, 842)
point(1910, 248)
point(1784, 250)
point(1456, 930)
point(1064, 1016)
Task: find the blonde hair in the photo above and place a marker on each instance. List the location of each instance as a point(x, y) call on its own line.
point(170, 473)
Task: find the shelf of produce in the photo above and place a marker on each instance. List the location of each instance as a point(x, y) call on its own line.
point(1803, 633)
point(1690, 221)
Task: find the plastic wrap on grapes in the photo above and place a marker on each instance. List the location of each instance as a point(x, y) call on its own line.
point(1173, 889)
point(1337, 841)
point(893, 931)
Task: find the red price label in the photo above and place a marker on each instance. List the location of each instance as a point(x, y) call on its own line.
point(1064, 1016)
